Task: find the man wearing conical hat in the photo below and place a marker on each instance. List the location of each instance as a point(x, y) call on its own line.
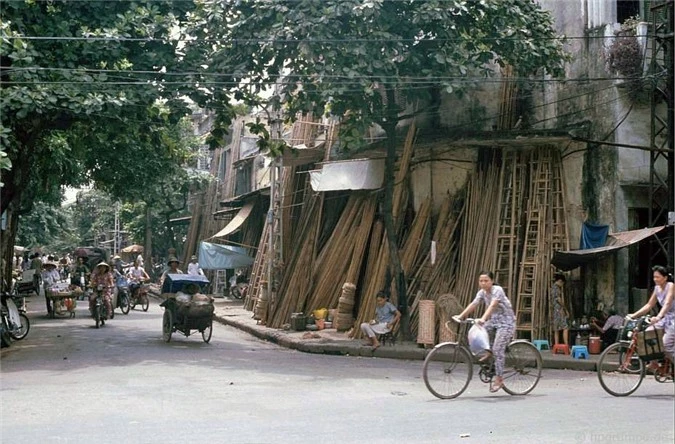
point(173, 263)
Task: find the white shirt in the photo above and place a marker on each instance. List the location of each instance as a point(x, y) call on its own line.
point(140, 260)
point(136, 272)
point(50, 277)
point(193, 269)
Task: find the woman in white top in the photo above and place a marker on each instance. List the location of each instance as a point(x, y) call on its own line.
point(665, 319)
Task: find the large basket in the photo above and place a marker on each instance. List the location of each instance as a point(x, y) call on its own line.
point(427, 324)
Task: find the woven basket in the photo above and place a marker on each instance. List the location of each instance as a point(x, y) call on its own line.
point(343, 322)
point(444, 333)
point(260, 311)
point(427, 324)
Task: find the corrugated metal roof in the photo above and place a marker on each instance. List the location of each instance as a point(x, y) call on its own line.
point(569, 260)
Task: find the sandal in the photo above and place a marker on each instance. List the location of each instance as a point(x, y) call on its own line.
point(486, 357)
point(496, 387)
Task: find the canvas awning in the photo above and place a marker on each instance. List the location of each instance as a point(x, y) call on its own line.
point(222, 257)
point(569, 260)
point(356, 174)
point(236, 221)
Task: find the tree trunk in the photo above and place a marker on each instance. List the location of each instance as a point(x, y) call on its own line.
point(147, 247)
point(7, 241)
point(387, 213)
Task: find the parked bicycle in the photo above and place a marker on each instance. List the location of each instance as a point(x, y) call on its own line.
point(624, 364)
point(449, 367)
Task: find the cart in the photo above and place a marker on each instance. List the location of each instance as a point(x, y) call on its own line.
point(185, 318)
point(62, 301)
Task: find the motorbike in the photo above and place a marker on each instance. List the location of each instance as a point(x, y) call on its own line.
point(123, 301)
point(15, 323)
point(99, 312)
point(139, 295)
point(238, 291)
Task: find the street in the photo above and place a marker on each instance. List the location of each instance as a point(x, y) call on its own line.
point(68, 382)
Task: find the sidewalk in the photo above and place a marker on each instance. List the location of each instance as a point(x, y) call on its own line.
point(330, 341)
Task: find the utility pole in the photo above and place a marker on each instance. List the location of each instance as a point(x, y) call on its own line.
point(661, 189)
point(275, 258)
point(116, 231)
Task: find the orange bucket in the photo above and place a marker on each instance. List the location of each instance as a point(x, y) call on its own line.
point(594, 345)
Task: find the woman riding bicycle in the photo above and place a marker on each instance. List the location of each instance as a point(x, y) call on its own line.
point(498, 318)
point(663, 294)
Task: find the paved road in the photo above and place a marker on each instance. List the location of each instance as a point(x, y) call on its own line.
point(68, 382)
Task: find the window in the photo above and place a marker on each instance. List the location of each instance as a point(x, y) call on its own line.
point(243, 173)
point(626, 9)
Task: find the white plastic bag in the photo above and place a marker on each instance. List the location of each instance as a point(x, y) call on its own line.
point(479, 340)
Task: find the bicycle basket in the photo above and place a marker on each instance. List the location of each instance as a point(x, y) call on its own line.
point(650, 343)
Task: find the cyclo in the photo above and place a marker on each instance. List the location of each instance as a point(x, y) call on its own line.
point(621, 367)
point(186, 315)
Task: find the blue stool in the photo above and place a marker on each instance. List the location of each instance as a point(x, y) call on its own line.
point(541, 344)
point(579, 352)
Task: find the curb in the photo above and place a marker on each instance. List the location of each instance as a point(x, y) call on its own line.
point(349, 348)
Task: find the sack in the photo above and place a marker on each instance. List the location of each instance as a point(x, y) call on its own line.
point(479, 340)
point(200, 309)
point(650, 343)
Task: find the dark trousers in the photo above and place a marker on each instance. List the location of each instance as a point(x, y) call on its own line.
point(609, 337)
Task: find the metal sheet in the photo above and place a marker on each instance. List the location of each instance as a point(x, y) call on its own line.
point(236, 221)
point(358, 174)
point(569, 260)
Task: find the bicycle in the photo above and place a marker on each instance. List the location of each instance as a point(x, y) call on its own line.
point(621, 369)
point(449, 367)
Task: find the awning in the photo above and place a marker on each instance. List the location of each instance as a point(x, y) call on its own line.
point(236, 221)
point(357, 174)
point(569, 260)
point(132, 249)
point(222, 257)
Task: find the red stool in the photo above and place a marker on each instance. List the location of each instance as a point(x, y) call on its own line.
point(560, 348)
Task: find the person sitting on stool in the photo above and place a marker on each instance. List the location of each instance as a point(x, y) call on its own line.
point(386, 317)
point(610, 329)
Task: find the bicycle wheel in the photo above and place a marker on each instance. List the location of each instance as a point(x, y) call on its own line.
point(619, 374)
point(447, 370)
point(522, 368)
point(124, 304)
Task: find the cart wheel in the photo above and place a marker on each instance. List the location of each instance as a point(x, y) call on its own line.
point(167, 325)
point(206, 333)
point(145, 304)
point(124, 304)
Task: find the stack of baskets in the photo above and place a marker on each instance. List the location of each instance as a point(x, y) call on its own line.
point(260, 310)
point(345, 312)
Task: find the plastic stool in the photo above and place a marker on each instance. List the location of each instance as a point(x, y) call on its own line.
point(579, 351)
point(561, 348)
point(541, 344)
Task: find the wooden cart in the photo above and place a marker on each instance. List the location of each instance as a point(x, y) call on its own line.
point(62, 302)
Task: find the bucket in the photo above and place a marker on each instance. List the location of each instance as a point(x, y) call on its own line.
point(298, 321)
point(320, 313)
point(594, 345)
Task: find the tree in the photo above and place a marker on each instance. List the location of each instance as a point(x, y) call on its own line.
point(357, 57)
point(86, 95)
